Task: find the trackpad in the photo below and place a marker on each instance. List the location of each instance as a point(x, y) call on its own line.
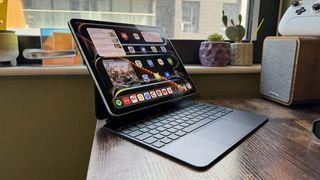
point(224, 131)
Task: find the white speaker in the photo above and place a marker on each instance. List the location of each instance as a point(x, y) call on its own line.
point(290, 71)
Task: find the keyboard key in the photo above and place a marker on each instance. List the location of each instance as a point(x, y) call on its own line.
point(165, 133)
point(180, 133)
point(150, 140)
point(173, 137)
point(135, 133)
point(196, 119)
point(184, 124)
point(164, 121)
point(203, 116)
point(171, 119)
point(172, 130)
point(154, 120)
point(141, 125)
point(158, 136)
point(134, 128)
point(213, 117)
point(190, 122)
point(153, 131)
point(158, 124)
point(167, 126)
point(158, 144)
point(148, 123)
point(166, 140)
point(179, 121)
point(144, 130)
point(160, 128)
point(173, 123)
point(126, 131)
point(192, 116)
point(144, 136)
point(151, 126)
point(179, 127)
point(197, 125)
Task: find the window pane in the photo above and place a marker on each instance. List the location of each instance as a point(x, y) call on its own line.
point(190, 16)
point(188, 19)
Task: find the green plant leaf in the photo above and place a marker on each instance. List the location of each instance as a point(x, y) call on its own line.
point(240, 19)
point(232, 22)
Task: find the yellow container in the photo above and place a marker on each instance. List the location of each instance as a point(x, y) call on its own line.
point(9, 49)
point(3, 14)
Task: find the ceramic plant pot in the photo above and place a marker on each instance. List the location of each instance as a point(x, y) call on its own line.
point(242, 54)
point(215, 54)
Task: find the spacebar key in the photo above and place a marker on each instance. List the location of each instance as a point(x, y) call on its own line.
point(197, 125)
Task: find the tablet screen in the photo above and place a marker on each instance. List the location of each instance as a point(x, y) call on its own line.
point(134, 66)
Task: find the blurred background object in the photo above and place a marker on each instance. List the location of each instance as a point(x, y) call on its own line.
point(54, 39)
point(15, 14)
point(8, 39)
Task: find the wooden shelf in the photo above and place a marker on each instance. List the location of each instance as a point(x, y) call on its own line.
point(82, 70)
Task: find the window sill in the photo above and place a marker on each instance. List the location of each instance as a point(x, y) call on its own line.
point(82, 70)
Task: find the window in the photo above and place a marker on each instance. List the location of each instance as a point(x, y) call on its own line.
point(190, 16)
point(182, 19)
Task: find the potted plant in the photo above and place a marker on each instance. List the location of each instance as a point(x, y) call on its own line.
point(215, 52)
point(241, 53)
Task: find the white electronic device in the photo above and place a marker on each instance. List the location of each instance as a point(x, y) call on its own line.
point(301, 18)
point(36, 54)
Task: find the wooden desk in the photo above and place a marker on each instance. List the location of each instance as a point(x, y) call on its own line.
point(284, 148)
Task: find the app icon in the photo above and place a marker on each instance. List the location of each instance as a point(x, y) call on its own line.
point(163, 49)
point(138, 63)
point(136, 36)
point(154, 49)
point(170, 61)
point(118, 102)
point(145, 78)
point(131, 49)
point(150, 63)
point(164, 91)
point(153, 94)
point(160, 61)
point(189, 86)
point(169, 89)
point(167, 75)
point(124, 36)
point(147, 95)
point(185, 88)
point(126, 101)
point(140, 97)
point(133, 99)
point(157, 76)
point(143, 49)
point(180, 88)
point(159, 93)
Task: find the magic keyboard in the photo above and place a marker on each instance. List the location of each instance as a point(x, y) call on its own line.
point(165, 128)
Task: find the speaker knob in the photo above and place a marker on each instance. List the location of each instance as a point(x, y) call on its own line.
point(295, 3)
point(316, 7)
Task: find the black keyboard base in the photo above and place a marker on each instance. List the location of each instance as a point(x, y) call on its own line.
point(171, 125)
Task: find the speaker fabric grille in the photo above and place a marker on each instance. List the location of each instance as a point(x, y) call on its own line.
point(278, 62)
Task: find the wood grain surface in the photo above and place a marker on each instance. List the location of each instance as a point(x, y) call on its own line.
point(284, 148)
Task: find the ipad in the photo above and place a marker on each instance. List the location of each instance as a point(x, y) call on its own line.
point(133, 66)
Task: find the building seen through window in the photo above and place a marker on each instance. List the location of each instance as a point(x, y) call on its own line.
point(187, 19)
